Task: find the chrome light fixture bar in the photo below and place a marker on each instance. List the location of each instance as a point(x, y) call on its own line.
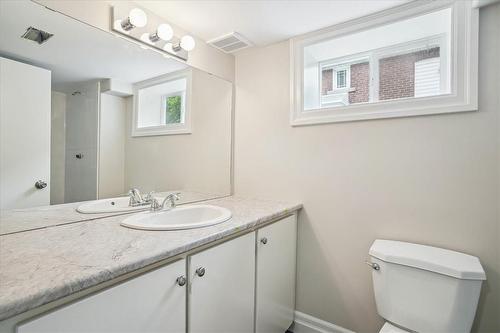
point(148, 29)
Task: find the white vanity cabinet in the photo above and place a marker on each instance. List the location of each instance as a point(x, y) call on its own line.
point(245, 284)
point(275, 276)
point(221, 291)
point(152, 302)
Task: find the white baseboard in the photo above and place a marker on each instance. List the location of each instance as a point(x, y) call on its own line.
point(305, 323)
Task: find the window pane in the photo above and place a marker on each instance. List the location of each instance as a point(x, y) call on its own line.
point(405, 59)
point(173, 109)
point(341, 75)
point(161, 103)
point(398, 74)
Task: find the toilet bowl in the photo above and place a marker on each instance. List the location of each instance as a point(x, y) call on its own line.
point(422, 288)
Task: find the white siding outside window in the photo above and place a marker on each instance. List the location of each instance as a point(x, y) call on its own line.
point(427, 77)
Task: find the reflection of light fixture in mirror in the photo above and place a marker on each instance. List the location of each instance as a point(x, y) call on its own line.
point(136, 18)
point(169, 48)
point(117, 25)
point(145, 37)
point(164, 32)
point(187, 43)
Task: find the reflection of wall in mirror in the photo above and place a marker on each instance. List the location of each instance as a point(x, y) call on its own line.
point(199, 161)
point(57, 147)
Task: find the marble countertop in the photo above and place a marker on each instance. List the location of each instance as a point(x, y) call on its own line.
point(43, 265)
point(19, 220)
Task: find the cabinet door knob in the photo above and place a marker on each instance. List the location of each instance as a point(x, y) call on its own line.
point(200, 271)
point(263, 240)
point(181, 280)
point(40, 184)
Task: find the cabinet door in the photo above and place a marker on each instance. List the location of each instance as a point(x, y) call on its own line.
point(275, 285)
point(153, 302)
point(222, 299)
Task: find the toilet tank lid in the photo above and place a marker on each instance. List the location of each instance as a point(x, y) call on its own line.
point(434, 259)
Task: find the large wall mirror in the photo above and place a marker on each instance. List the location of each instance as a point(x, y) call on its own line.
point(88, 115)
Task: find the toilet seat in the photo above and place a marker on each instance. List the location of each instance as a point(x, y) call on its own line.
point(389, 328)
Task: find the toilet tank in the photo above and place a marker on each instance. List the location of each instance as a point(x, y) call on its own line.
point(425, 289)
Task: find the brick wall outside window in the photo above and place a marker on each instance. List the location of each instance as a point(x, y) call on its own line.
point(360, 83)
point(397, 74)
point(326, 81)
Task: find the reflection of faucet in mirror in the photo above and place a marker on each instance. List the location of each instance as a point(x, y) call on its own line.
point(136, 198)
point(172, 197)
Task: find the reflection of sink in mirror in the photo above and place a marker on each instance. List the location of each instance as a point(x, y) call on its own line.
point(112, 205)
point(184, 217)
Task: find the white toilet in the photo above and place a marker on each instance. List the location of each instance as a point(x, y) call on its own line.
point(424, 289)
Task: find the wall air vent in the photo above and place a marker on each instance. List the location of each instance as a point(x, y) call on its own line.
point(37, 35)
point(230, 43)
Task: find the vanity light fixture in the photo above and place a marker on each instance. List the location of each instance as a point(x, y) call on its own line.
point(149, 30)
point(146, 38)
point(186, 43)
point(163, 32)
point(136, 18)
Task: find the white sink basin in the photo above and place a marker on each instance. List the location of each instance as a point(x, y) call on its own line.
point(113, 205)
point(182, 217)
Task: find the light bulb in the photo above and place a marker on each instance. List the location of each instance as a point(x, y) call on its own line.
point(165, 32)
point(138, 17)
point(169, 48)
point(187, 43)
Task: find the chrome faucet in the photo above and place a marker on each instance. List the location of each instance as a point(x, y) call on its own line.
point(172, 197)
point(136, 198)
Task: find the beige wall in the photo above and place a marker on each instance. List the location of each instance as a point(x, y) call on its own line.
point(200, 161)
point(430, 179)
point(97, 13)
point(112, 122)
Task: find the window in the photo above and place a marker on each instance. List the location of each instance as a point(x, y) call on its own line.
point(341, 78)
point(403, 62)
point(161, 105)
point(173, 108)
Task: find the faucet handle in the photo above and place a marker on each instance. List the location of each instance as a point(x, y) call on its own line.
point(155, 205)
point(148, 197)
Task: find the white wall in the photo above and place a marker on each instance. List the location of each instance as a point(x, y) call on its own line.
point(97, 13)
point(57, 147)
point(431, 180)
point(112, 131)
point(199, 161)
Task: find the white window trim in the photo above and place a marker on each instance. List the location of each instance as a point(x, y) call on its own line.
point(463, 96)
point(168, 129)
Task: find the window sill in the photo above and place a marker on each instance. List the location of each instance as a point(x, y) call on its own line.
point(409, 107)
point(160, 130)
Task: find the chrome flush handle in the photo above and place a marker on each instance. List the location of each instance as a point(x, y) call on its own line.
point(373, 265)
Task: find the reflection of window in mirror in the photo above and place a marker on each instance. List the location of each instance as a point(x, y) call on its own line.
point(173, 108)
point(161, 105)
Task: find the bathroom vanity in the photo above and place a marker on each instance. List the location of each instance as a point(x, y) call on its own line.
point(95, 276)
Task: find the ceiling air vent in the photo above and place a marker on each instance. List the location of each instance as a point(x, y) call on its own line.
point(230, 43)
point(36, 35)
